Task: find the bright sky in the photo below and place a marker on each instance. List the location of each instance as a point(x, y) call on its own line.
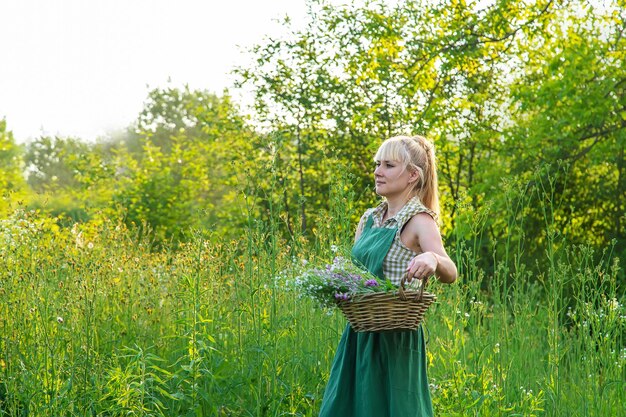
point(82, 68)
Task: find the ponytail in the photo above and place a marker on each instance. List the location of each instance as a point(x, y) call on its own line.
point(427, 188)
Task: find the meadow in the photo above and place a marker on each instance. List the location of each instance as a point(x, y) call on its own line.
point(145, 273)
point(94, 321)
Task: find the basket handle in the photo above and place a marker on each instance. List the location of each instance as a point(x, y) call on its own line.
point(402, 287)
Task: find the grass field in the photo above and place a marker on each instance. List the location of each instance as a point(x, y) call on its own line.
point(93, 323)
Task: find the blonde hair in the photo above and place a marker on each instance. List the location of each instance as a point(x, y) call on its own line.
point(416, 153)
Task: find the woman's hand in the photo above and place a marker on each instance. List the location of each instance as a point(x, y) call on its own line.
point(422, 266)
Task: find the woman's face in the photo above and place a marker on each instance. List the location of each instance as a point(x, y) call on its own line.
point(392, 178)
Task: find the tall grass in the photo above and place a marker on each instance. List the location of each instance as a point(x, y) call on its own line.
point(94, 323)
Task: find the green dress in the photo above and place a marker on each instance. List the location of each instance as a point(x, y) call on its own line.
point(378, 374)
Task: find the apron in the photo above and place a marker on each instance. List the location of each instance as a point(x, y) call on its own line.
point(378, 374)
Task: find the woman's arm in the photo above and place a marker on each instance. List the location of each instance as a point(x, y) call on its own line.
point(433, 259)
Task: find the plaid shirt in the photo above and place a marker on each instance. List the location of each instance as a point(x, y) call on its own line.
point(399, 254)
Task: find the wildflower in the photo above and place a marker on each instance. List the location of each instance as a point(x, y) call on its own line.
point(60, 320)
point(342, 296)
point(337, 281)
point(79, 239)
point(334, 248)
point(614, 304)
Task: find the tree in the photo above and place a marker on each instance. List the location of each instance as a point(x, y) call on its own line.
point(12, 184)
point(570, 105)
point(68, 177)
point(359, 74)
point(181, 169)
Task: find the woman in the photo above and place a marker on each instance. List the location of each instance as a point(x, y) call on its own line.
point(383, 374)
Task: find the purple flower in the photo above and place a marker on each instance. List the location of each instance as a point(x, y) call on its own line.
point(371, 283)
point(342, 296)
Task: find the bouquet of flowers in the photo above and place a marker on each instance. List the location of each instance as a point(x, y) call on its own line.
point(340, 280)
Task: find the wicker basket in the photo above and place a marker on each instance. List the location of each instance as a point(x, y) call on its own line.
point(381, 311)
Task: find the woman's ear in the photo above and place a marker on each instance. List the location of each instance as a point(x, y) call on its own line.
point(414, 176)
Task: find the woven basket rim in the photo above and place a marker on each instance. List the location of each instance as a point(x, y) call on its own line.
point(412, 296)
point(402, 309)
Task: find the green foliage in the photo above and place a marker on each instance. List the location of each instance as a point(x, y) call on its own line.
point(181, 168)
point(68, 177)
point(12, 184)
point(178, 169)
point(52, 163)
point(361, 74)
point(572, 94)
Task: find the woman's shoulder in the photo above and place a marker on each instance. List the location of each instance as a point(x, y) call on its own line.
point(421, 222)
point(423, 217)
point(416, 208)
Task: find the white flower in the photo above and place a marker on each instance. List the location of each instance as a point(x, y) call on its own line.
point(614, 304)
point(79, 239)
